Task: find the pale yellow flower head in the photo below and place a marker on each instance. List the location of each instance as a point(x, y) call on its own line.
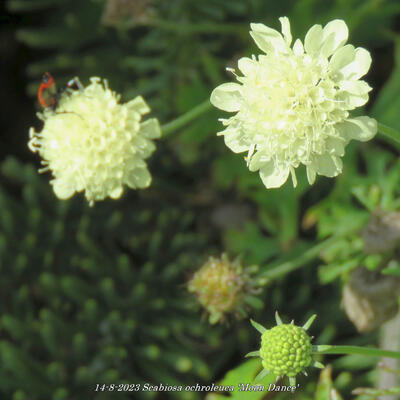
point(94, 144)
point(292, 103)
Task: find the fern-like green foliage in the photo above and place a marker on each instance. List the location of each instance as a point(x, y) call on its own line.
point(95, 296)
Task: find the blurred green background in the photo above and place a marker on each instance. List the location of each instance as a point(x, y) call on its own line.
point(99, 295)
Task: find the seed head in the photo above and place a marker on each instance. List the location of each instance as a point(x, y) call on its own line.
point(222, 286)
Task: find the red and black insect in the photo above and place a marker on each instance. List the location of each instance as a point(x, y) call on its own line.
point(49, 96)
point(47, 93)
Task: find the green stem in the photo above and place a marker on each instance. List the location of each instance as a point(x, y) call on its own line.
point(306, 256)
point(297, 262)
point(389, 133)
point(185, 118)
point(367, 351)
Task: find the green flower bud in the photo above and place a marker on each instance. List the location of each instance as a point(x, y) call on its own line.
point(285, 349)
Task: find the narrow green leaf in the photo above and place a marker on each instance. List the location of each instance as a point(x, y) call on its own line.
point(258, 326)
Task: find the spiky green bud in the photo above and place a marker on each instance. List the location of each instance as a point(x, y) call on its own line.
point(285, 349)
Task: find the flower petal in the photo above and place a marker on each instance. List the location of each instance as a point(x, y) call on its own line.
point(344, 56)
point(334, 36)
point(63, 188)
point(235, 140)
point(247, 65)
point(355, 93)
point(313, 39)
point(355, 87)
point(143, 147)
point(286, 30)
point(360, 66)
point(360, 128)
point(150, 128)
point(350, 63)
point(257, 161)
point(274, 175)
point(327, 165)
point(227, 97)
point(139, 105)
point(139, 178)
point(268, 39)
point(335, 146)
point(116, 193)
point(311, 174)
point(352, 101)
point(298, 48)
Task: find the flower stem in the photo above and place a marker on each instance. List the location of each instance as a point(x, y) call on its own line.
point(289, 266)
point(177, 123)
point(367, 351)
point(389, 133)
point(275, 271)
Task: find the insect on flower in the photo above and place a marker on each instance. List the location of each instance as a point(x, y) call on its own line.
point(49, 96)
point(90, 141)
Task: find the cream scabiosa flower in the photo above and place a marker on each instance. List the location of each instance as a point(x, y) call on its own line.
point(292, 104)
point(92, 143)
